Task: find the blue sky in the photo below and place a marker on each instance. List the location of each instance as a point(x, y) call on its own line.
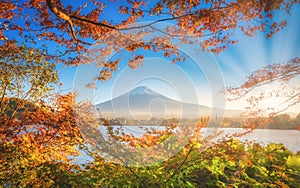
point(193, 81)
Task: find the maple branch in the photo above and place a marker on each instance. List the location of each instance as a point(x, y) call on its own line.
point(20, 105)
point(284, 109)
point(183, 36)
point(280, 76)
point(288, 106)
point(268, 25)
point(52, 6)
point(92, 22)
point(2, 98)
point(154, 22)
point(152, 12)
point(127, 28)
point(181, 164)
point(136, 176)
point(60, 55)
point(291, 97)
point(68, 18)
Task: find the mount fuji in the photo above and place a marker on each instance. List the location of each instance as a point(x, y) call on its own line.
point(144, 103)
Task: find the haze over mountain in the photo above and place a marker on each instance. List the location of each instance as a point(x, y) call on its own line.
point(144, 103)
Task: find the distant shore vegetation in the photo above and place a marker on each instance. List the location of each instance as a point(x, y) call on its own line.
point(280, 121)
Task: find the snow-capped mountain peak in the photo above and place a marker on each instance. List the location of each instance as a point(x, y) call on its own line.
point(142, 90)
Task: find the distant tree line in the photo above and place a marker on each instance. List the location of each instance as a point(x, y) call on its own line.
point(280, 121)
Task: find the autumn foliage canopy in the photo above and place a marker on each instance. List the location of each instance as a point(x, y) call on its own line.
point(39, 128)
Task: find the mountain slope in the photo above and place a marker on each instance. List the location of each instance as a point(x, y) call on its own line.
point(143, 102)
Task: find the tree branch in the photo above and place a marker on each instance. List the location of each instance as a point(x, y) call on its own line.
point(284, 109)
point(53, 7)
point(2, 99)
point(68, 18)
point(181, 164)
point(92, 22)
point(127, 28)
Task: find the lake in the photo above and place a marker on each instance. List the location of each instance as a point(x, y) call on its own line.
point(289, 138)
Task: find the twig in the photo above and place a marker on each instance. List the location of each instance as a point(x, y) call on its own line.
point(181, 164)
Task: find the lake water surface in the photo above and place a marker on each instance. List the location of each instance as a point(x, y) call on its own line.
point(289, 138)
